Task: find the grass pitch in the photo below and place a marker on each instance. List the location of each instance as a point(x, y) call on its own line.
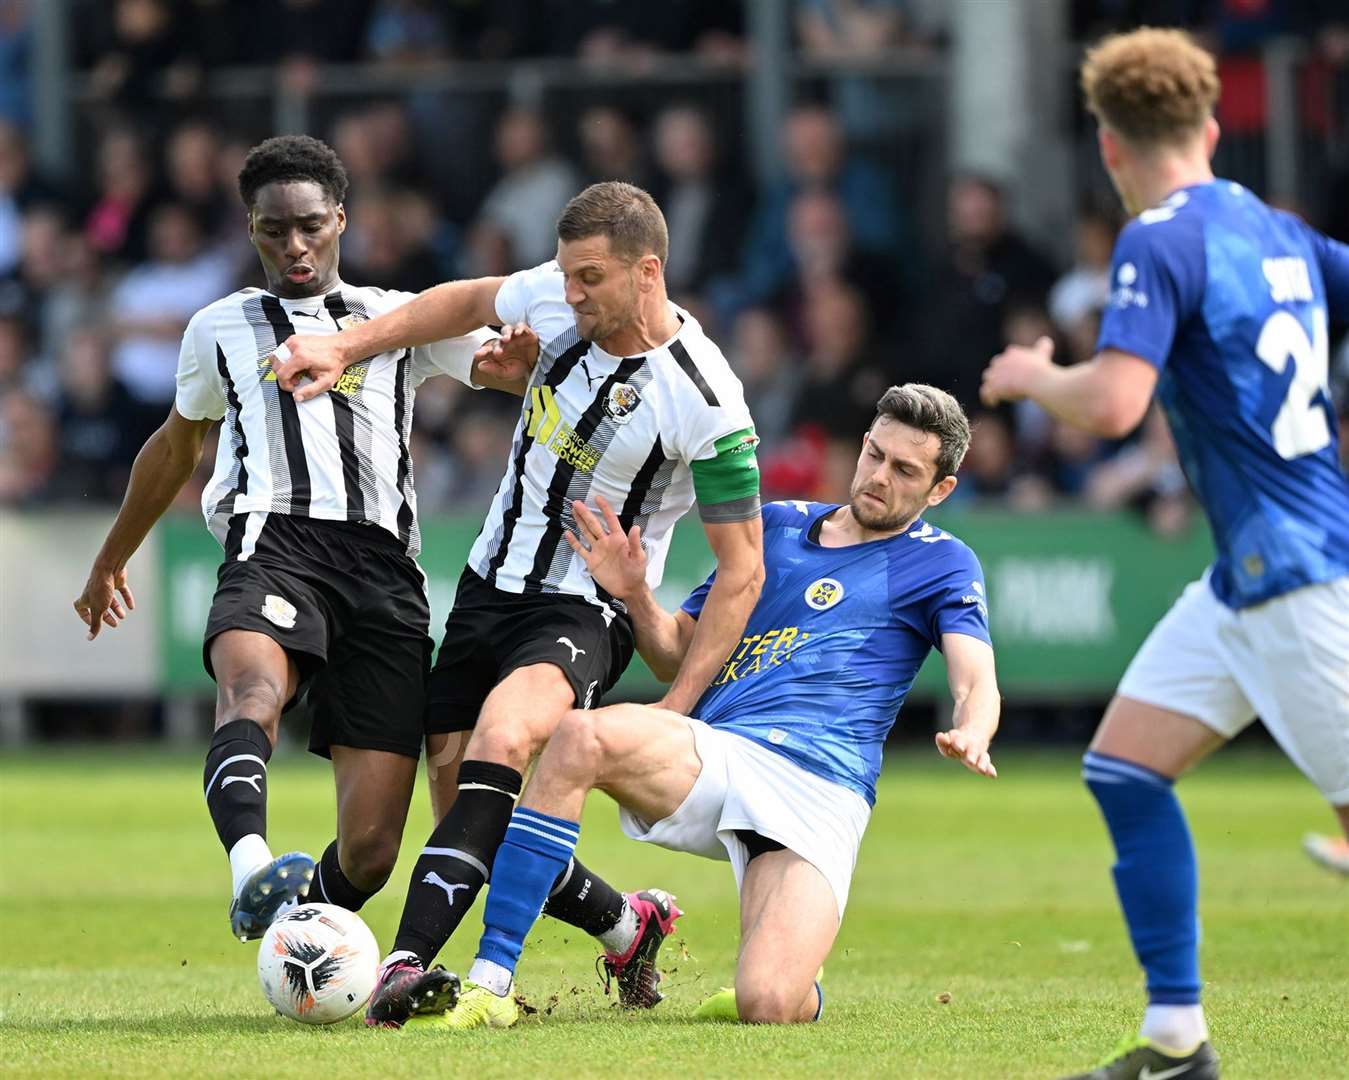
point(115, 956)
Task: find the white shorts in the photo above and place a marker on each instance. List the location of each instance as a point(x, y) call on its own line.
point(1286, 661)
point(746, 786)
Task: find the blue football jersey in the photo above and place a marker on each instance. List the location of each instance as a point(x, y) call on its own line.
point(1230, 300)
point(836, 639)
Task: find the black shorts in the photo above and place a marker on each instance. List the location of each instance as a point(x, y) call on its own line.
point(348, 605)
point(491, 633)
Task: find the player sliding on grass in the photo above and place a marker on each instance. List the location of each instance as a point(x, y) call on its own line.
point(630, 400)
point(776, 770)
point(1220, 305)
point(313, 504)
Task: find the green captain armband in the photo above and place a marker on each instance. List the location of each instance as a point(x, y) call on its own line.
point(727, 484)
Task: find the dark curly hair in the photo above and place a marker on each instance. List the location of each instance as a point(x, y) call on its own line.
point(290, 158)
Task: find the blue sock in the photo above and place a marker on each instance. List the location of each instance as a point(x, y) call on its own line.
point(535, 851)
point(1155, 873)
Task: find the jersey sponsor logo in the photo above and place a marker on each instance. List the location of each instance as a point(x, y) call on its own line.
point(351, 380)
point(355, 318)
point(544, 424)
point(622, 400)
point(760, 652)
point(279, 611)
point(976, 598)
point(824, 593)
point(1124, 294)
point(266, 373)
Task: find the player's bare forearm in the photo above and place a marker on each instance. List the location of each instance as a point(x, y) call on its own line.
point(445, 311)
point(448, 310)
point(977, 711)
point(662, 639)
point(729, 602)
point(1107, 396)
point(165, 463)
point(972, 677)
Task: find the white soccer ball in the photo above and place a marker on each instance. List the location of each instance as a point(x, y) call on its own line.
point(318, 963)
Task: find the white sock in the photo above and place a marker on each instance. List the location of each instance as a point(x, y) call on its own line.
point(1175, 1027)
point(400, 954)
point(618, 938)
point(248, 853)
point(491, 976)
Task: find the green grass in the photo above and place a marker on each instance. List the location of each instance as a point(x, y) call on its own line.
point(115, 957)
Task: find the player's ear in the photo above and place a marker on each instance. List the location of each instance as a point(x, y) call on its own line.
point(648, 271)
point(941, 489)
point(1109, 146)
point(1211, 134)
point(341, 219)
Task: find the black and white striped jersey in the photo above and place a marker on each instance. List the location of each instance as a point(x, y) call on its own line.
point(342, 456)
point(646, 432)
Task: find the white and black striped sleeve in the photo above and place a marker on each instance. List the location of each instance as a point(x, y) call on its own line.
point(537, 297)
point(201, 390)
point(452, 356)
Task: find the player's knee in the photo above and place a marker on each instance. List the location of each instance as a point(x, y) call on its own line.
point(506, 741)
point(770, 1004)
point(578, 743)
point(252, 696)
point(367, 856)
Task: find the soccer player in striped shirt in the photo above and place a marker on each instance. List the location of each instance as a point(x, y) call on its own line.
point(314, 506)
point(630, 401)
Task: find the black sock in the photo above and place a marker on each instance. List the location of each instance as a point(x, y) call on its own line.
point(584, 900)
point(236, 780)
point(331, 886)
point(457, 859)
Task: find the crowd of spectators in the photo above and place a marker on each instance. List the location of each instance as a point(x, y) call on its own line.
point(822, 287)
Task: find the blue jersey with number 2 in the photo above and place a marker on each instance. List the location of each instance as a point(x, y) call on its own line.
point(836, 639)
point(1230, 299)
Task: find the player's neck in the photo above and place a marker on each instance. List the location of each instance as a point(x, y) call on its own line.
point(842, 529)
point(1167, 175)
point(654, 325)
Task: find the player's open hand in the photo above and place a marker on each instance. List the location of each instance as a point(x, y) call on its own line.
point(615, 559)
point(320, 357)
point(967, 748)
point(510, 357)
point(106, 600)
point(1012, 374)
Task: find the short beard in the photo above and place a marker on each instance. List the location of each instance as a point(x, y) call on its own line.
point(876, 522)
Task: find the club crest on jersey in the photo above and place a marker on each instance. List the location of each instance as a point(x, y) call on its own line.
point(279, 611)
point(824, 593)
point(622, 400)
point(346, 322)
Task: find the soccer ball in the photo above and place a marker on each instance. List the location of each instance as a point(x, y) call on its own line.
point(318, 963)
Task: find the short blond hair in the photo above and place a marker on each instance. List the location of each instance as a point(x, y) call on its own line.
point(1152, 86)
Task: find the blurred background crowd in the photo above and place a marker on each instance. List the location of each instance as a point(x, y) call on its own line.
point(865, 256)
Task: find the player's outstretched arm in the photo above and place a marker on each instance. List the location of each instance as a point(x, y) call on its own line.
point(445, 311)
point(163, 466)
point(973, 680)
point(1108, 395)
point(738, 547)
point(618, 564)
